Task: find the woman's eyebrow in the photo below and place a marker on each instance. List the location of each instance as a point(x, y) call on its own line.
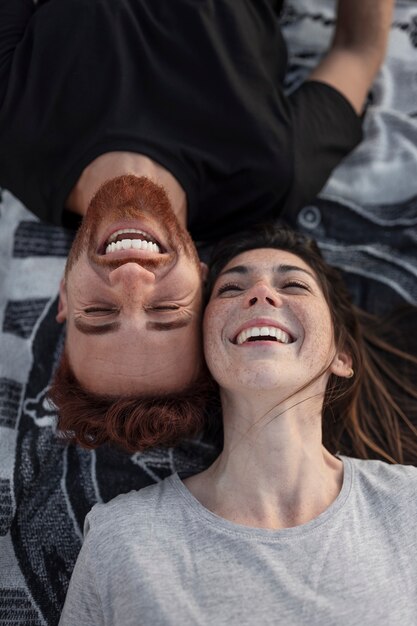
point(237, 269)
point(293, 268)
point(280, 269)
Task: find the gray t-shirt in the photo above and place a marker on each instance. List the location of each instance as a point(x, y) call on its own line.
point(159, 557)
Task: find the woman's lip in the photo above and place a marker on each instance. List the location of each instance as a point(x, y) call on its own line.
point(262, 321)
point(259, 343)
point(138, 224)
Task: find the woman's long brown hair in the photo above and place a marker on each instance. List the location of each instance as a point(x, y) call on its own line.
point(374, 414)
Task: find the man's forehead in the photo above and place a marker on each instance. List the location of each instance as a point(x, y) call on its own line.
point(138, 368)
point(134, 353)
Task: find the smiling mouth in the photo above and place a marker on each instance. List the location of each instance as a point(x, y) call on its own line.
point(262, 333)
point(131, 239)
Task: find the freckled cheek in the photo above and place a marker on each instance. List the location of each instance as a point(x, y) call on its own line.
point(213, 333)
point(83, 286)
point(80, 294)
point(215, 358)
point(207, 327)
point(210, 337)
point(319, 342)
point(214, 321)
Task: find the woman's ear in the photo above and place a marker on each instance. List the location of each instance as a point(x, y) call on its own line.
point(342, 365)
point(204, 271)
point(61, 316)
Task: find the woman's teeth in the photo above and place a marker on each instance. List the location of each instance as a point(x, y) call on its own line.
point(270, 332)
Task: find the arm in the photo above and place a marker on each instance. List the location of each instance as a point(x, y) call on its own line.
point(82, 604)
point(358, 48)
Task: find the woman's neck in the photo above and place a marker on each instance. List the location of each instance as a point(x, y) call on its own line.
point(113, 164)
point(274, 471)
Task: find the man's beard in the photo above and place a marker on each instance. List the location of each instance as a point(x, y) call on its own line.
point(130, 197)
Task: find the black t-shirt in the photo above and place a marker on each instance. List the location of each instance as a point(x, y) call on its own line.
point(194, 84)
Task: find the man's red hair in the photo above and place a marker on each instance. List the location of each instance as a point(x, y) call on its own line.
point(133, 423)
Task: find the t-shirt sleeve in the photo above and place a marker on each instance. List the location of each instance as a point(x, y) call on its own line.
point(14, 17)
point(83, 604)
point(325, 129)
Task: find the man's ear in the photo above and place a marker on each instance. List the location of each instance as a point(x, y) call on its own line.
point(204, 271)
point(342, 365)
point(61, 316)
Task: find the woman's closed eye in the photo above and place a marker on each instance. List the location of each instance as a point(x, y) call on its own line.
point(228, 287)
point(295, 284)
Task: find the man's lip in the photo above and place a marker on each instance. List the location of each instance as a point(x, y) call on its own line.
point(133, 255)
point(125, 224)
point(262, 321)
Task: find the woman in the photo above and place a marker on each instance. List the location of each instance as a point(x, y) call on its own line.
point(279, 529)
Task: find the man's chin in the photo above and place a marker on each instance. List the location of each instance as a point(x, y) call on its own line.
point(127, 200)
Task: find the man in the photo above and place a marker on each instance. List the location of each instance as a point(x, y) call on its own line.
point(187, 98)
point(133, 272)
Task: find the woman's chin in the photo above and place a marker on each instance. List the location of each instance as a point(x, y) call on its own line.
point(262, 381)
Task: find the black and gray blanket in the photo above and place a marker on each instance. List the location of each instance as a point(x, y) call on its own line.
point(366, 222)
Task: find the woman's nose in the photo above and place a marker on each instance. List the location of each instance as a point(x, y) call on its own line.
point(262, 293)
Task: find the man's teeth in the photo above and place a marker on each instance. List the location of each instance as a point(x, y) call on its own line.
point(138, 243)
point(263, 331)
point(126, 231)
point(135, 244)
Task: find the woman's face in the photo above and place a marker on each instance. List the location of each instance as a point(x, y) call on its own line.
point(267, 324)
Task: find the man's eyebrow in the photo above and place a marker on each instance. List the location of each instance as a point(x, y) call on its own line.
point(181, 323)
point(91, 329)
point(247, 269)
point(102, 329)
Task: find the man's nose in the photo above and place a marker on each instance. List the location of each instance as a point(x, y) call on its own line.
point(262, 293)
point(131, 276)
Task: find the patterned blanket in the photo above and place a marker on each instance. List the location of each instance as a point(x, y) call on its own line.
point(366, 223)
